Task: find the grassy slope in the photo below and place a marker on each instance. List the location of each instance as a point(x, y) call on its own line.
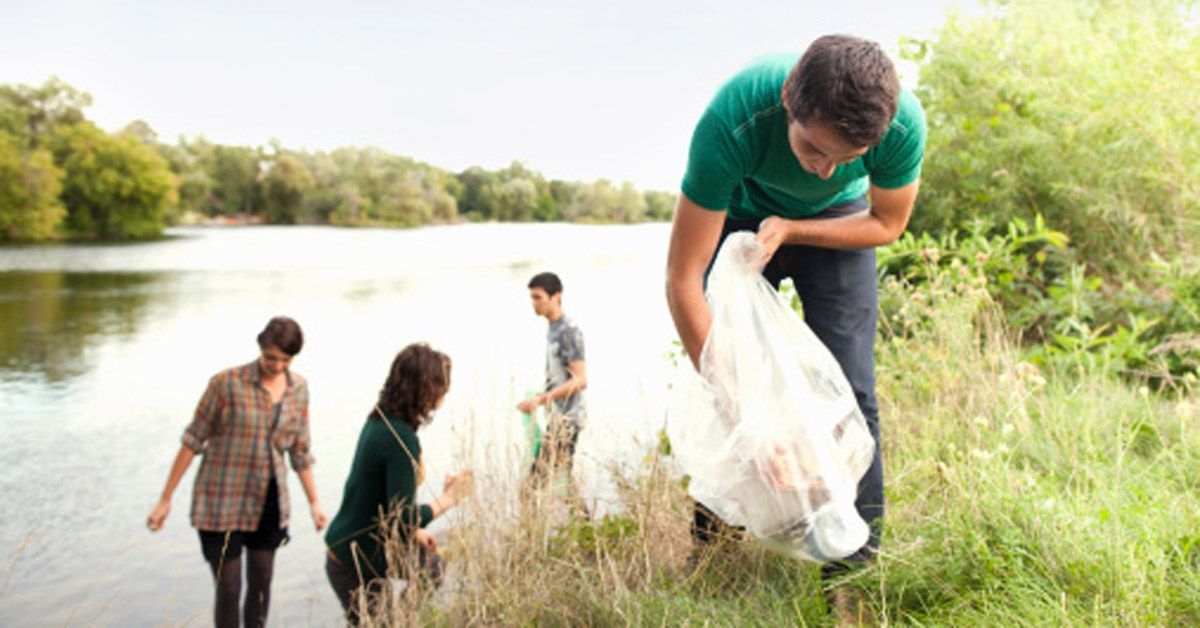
point(1016, 498)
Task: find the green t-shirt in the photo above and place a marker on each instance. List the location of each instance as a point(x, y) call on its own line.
point(381, 476)
point(740, 158)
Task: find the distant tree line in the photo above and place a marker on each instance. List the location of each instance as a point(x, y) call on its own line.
point(61, 176)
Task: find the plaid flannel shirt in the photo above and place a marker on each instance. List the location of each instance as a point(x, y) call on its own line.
point(232, 430)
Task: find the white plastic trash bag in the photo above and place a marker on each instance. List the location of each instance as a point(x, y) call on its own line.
point(770, 431)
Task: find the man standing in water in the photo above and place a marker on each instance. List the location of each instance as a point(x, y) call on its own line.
point(566, 378)
point(822, 158)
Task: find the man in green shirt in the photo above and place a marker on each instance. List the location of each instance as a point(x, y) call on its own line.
point(822, 158)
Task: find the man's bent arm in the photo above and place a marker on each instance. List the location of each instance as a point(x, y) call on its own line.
point(881, 224)
point(573, 386)
point(694, 236)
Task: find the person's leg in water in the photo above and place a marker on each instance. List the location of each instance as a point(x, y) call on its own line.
point(347, 587)
point(260, 560)
point(259, 567)
point(229, 592)
point(223, 552)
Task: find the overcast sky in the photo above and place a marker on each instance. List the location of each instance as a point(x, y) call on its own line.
point(578, 90)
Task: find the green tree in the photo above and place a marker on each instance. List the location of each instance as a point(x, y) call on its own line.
point(348, 207)
point(323, 198)
point(561, 195)
point(32, 113)
point(195, 190)
point(516, 200)
point(283, 189)
point(143, 131)
point(29, 187)
point(476, 193)
point(595, 202)
point(113, 187)
point(234, 171)
point(631, 205)
point(1084, 112)
point(660, 206)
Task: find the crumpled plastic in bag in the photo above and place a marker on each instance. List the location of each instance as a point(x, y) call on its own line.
point(769, 430)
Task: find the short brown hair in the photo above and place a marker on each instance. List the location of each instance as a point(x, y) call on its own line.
point(846, 83)
point(283, 333)
point(418, 379)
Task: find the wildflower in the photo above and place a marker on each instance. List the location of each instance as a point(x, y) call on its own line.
point(981, 454)
point(1031, 375)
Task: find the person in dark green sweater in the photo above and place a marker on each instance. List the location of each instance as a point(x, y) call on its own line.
point(380, 524)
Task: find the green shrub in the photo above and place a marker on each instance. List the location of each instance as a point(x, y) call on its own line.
point(1080, 111)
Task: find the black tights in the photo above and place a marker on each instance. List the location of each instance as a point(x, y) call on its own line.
point(260, 564)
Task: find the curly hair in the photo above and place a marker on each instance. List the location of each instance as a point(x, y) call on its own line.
point(846, 83)
point(419, 378)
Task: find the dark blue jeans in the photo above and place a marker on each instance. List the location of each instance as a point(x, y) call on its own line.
point(838, 292)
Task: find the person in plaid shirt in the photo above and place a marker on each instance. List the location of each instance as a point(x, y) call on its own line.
point(248, 417)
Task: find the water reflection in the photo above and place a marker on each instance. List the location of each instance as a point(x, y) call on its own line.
point(51, 318)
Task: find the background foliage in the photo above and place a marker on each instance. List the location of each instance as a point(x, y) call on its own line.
point(63, 177)
point(1085, 112)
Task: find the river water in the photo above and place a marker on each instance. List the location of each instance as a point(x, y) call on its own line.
point(105, 350)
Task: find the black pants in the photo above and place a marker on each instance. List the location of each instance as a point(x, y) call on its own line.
point(223, 551)
point(346, 583)
point(838, 292)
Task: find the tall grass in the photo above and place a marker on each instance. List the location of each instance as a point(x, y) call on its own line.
point(1016, 497)
point(1021, 497)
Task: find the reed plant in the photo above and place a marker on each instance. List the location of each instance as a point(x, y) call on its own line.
point(1017, 496)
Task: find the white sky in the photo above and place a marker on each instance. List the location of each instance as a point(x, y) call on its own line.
point(579, 90)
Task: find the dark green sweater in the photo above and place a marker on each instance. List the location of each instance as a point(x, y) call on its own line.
point(382, 477)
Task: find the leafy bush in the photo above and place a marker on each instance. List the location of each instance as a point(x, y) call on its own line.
point(1083, 112)
point(1065, 317)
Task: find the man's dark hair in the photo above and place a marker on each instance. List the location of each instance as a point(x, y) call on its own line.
point(548, 282)
point(284, 334)
point(847, 84)
point(418, 379)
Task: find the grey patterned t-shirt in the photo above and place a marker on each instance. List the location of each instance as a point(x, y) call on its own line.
point(564, 345)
